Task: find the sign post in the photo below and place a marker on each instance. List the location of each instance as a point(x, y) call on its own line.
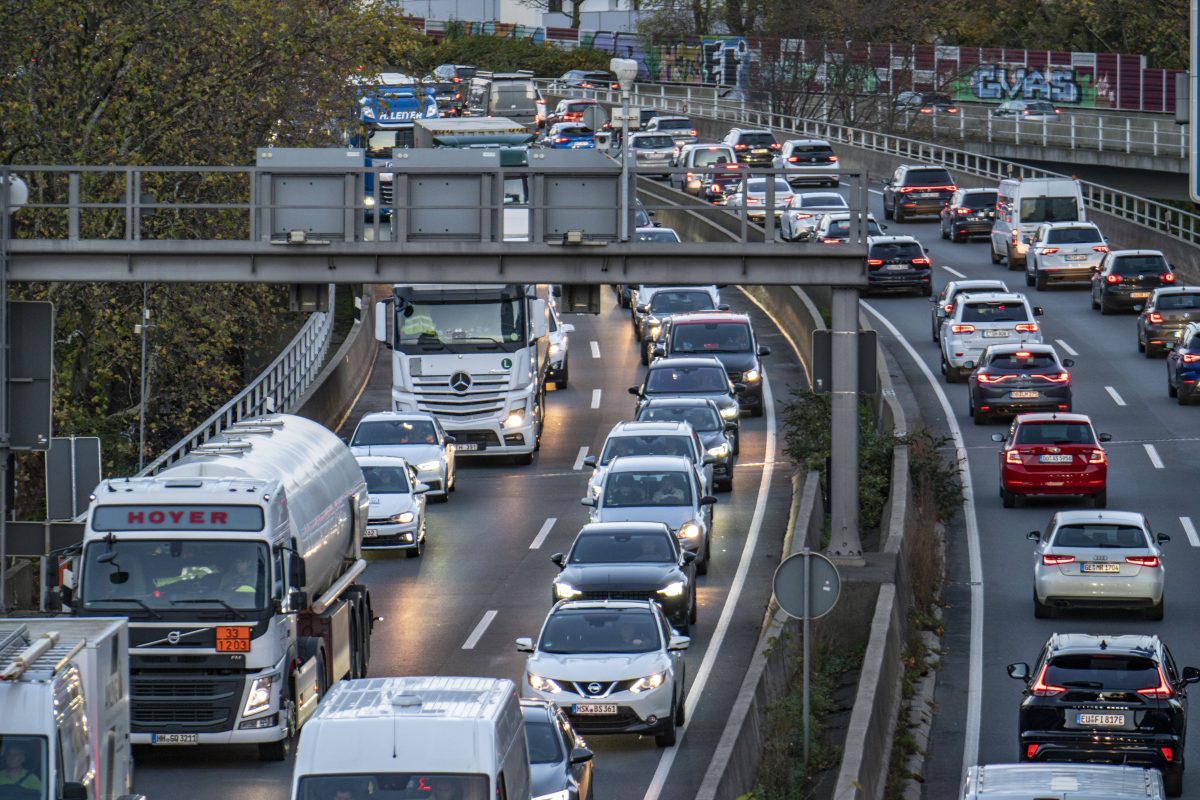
point(1192, 99)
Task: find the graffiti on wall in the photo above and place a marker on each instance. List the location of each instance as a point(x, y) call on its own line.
point(726, 60)
point(1001, 82)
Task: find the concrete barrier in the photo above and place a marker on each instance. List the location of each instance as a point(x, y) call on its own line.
point(332, 395)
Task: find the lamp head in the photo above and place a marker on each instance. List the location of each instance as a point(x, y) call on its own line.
point(626, 70)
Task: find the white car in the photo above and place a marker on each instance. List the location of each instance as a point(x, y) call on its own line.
point(809, 161)
point(396, 517)
point(1064, 251)
point(804, 211)
point(656, 234)
point(752, 194)
point(1098, 559)
point(558, 372)
point(415, 436)
point(982, 319)
point(650, 439)
point(614, 666)
point(943, 304)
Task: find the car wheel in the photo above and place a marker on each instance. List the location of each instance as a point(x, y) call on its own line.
point(1100, 499)
point(1029, 279)
point(1008, 498)
point(1095, 305)
point(666, 737)
point(702, 566)
point(1154, 613)
point(927, 290)
point(646, 356)
point(980, 417)
point(1041, 610)
point(1012, 262)
point(1104, 307)
point(758, 410)
point(1182, 395)
point(681, 711)
point(561, 383)
point(995, 255)
point(887, 212)
point(1142, 346)
point(898, 213)
point(1040, 280)
point(1172, 389)
point(934, 331)
point(942, 230)
point(692, 613)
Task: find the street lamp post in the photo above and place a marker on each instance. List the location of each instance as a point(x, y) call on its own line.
point(13, 194)
point(626, 70)
point(141, 328)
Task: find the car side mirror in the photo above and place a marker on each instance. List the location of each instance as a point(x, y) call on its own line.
point(567, 327)
point(635, 390)
point(1033, 536)
point(345, 440)
point(997, 437)
point(590, 461)
point(708, 500)
point(738, 388)
point(722, 306)
point(659, 351)
point(421, 488)
point(1162, 538)
point(587, 501)
point(1105, 437)
point(560, 559)
point(524, 645)
point(968, 365)
point(1191, 675)
point(450, 439)
point(1068, 362)
point(581, 755)
point(708, 459)
point(688, 556)
point(1019, 671)
point(643, 308)
point(883, 227)
point(679, 643)
point(764, 350)
point(1038, 311)
point(731, 427)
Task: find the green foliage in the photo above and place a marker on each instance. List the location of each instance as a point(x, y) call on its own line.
point(501, 54)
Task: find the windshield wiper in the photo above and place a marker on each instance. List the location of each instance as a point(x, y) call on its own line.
point(217, 600)
point(148, 609)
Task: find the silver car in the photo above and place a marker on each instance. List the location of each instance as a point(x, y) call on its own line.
point(415, 436)
point(1063, 251)
point(650, 439)
point(943, 304)
point(752, 193)
point(396, 516)
point(804, 211)
point(1098, 559)
point(982, 319)
point(653, 151)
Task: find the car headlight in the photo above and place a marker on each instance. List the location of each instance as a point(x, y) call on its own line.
point(720, 451)
point(672, 589)
point(429, 466)
point(648, 683)
point(555, 349)
point(561, 794)
point(259, 699)
point(751, 376)
point(540, 684)
point(688, 530)
point(515, 418)
point(403, 518)
point(730, 412)
point(369, 201)
point(565, 591)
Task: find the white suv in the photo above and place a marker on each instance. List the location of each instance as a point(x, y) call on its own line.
point(980, 319)
point(1064, 251)
point(651, 439)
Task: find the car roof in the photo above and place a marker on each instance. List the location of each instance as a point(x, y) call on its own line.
point(1119, 253)
point(1052, 416)
point(381, 461)
point(396, 416)
point(1021, 348)
point(645, 463)
point(892, 239)
point(1144, 644)
point(1177, 290)
point(702, 317)
point(993, 296)
point(671, 116)
point(979, 189)
point(1084, 516)
point(751, 130)
point(677, 400)
point(687, 361)
point(1071, 224)
point(980, 283)
point(617, 527)
point(568, 605)
point(824, 142)
point(659, 427)
point(923, 166)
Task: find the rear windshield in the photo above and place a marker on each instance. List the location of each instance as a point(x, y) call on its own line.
point(1055, 433)
point(653, 445)
point(759, 185)
point(1040, 106)
point(943, 99)
point(1169, 301)
point(840, 229)
point(674, 124)
point(620, 548)
point(1023, 361)
point(1102, 672)
point(979, 201)
point(812, 150)
point(820, 201)
point(1073, 236)
point(510, 97)
point(995, 312)
point(757, 139)
point(701, 418)
point(667, 380)
point(897, 250)
point(1100, 536)
point(928, 177)
point(706, 158)
point(711, 337)
point(1140, 265)
point(676, 302)
point(1049, 209)
point(653, 141)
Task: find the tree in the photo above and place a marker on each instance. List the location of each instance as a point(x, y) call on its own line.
point(559, 7)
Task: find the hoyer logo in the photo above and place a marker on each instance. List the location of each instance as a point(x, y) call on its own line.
point(203, 518)
point(177, 518)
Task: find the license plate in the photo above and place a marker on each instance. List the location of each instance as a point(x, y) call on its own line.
point(233, 639)
point(469, 446)
point(1100, 566)
point(897, 267)
point(578, 145)
point(595, 708)
point(370, 533)
point(758, 152)
point(925, 194)
point(1025, 395)
point(1063, 458)
point(1101, 720)
point(1137, 295)
point(1076, 258)
point(174, 738)
point(995, 334)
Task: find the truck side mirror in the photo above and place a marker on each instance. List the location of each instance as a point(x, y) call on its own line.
point(298, 571)
point(297, 599)
point(73, 791)
point(381, 316)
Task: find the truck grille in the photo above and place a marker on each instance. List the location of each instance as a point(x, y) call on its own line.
point(482, 437)
point(385, 193)
point(173, 703)
point(484, 397)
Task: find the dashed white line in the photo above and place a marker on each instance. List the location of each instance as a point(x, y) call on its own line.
point(1152, 452)
point(1113, 394)
point(477, 634)
point(1066, 347)
point(953, 271)
point(579, 458)
point(543, 533)
point(1190, 530)
point(595, 398)
point(595, 349)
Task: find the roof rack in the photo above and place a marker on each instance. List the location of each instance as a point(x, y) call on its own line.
point(45, 654)
point(230, 448)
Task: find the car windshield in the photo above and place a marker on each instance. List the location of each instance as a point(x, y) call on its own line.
point(812, 150)
point(657, 235)
point(763, 139)
point(1086, 235)
point(1102, 671)
point(544, 741)
point(1002, 311)
point(1023, 361)
point(701, 418)
point(819, 201)
point(1049, 209)
point(1055, 433)
point(383, 432)
point(674, 124)
point(890, 250)
point(1168, 302)
point(1099, 536)
point(678, 380)
point(646, 445)
point(759, 186)
point(707, 157)
point(621, 548)
point(595, 630)
point(386, 480)
point(941, 99)
point(979, 201)
point(676, 302)
point(711, 337)
point(392, 786)
point(653, 142)
point(928, 177)
point(1140, 265)
point(646, 488)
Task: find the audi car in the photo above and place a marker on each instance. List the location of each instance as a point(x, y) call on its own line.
point(968, 213)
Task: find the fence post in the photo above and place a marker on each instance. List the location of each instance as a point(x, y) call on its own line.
point(1155, 147)
point(1072, 131)
point(1128, 135)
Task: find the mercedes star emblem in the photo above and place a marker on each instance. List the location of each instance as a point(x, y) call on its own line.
point(460, 382)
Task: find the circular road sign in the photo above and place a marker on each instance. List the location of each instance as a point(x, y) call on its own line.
point(823, 585)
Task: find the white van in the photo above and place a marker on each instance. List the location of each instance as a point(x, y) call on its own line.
point(408, 738)
point(1022, 205)
point(1056, 781)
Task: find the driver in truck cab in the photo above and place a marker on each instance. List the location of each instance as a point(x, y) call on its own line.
point(15, 771)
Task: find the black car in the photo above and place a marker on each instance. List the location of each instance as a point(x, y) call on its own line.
point(754, 146)
point(716, 186)
point(898, 262)
point(718, 436)
point(692, 377)
point(560, 762)
point(1113, 699)
point(730, 339)
point(1164, 317)
point(1018, 379)
point(630, 561)
point(969, 212)
point(1125, 279)
point(663, 304)
point(915, 190)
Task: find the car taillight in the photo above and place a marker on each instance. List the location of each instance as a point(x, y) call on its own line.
point(561, 140)
point(833, 159)
point(926, 110)
point(948, 308)
point(799, 215)
point(962, 211)
point(1101, 248)
point(1168, 753)
point(831, 241)
point(1142, 561)
point(1062, 377)
point(1155, 317)
point(1097, 457)
point(1012, 457)
point(1026, 112)
point(741, 147)
point(1031, 751)
point(1054, 561)
point(753, 201)
point(773, 146)
point(1047, 251)
point(907, 189)
point(874, 262)
point(1016, 236)
point(692, 132)
point(1027, 327)
point(1163, 689)
point(962, 328)
point(951, 110)
point(985, 378)
point(1191, 358)
point(1112, 279)
point(1042, 689)
point(793, 160)
point(1167, 277)
point(921, 262)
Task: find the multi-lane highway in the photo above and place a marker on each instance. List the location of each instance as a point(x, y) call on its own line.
point(485, 577)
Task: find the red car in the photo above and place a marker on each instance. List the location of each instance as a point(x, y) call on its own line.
point(1053, 454)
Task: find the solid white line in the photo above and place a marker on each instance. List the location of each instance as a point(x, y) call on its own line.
point(1113, 394)
point(735, 592)
point(976, 667)
point(477, 634)
point(543, 533)
point(595, 398)
point(953, 272)
point(1069, 350)
point(1190, 530)
point(579, 458)
point(1152, 452)
point(595, 349)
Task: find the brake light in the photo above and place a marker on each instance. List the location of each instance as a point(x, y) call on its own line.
point(962, 328)
point(741, 147)
point(1012, 457)
point(1101, 248)
point(1016, 237)
point(1112, 278)
point(1043, 689)
point(773, 145)
point(985, 378)
point(801, 215)
point(926, 110)
point(874, 262)
point(1163, 689)
point(921, 262)
point(752, 201)
point(1031, 751)
point(793, 160)
point(1168, 753)
point(1142, 561)
point(1191, 358)
point(586, 85)
point(1062, 377)
point(561, 140)
point(949, 307)
point(1026, 112)
point(692, 132)
point(907, 189)
point(831, 241)
point(962, 212)
point(1167, 277)
point(1054, 561)
point(1027, 327)
point(833, 159)
point(1097, 457)
point(951, 110)
point(1047, 251)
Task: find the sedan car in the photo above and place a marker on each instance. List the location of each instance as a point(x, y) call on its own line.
point(652, 151)
point(1016, 379)
point(752, 195)
point(1063, 251)
point(1053, 454)
point(716, 434)
point(943, 304)
point(692, 377)
point(1094, 559)
point(396, 516)
point(569, 136)
point(613, 666)
point(1165, 315)
point(1183, 365)
point(415, 436)
point(1027, 111)
point(649, 439)
point(969, 213)
point(1125, 279)
point(728, 337)
point(980, 319)
point(560, 762)
point(574, 111)
point(630, 561)
point(804, 211)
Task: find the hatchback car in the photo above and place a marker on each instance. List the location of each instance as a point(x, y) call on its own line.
point(968, 213)
point(569, 136)
point(613, 666)
point(658, 489)
point(835, 228)
point(809, 162)
point(630, 561)
point(649, 439)
point(415, 436)
point(1165, 315)
point(751, 194)
point(681, 129)
point(1016, 379)
point(1125, 279)
point(1053, 454)
point(692, 377)
point(1100, 698)
point(730, 338)
point(699, 161)
point(1027, 111)
point(898, 262)
point(652, 151)
point(917, 190)
point(1063, 251)
point(943, 304)
point(560, 762)
point(722, 181)
point(574, 111)
point(1183, 365)
point(716, 434)
point(665, 302)
point(559, 334)
point(980, 319)
point(396, 515)
point(1098, 559)
point(754, 146)
point(804, 211)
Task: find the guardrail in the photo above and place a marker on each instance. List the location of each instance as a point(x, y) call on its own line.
point(277, 388)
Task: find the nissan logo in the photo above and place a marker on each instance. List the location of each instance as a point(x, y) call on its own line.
point(460, 382)
point(594, 688)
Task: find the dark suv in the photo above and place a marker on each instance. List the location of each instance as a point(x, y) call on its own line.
point(1125, 279)
point(753, 146)
point(915, 190)
point(969, 212)
point(898, 262)
point(727, 336)
point(1115, 699)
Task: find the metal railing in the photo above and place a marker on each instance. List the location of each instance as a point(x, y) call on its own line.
point(277, 388)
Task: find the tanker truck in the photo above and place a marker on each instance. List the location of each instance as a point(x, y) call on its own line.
point(238, 569)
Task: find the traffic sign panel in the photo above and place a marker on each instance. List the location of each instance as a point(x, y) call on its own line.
point(810, 574)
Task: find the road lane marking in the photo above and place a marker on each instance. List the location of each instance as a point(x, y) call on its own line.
point(735, 592)
point(477, 634)
point(1066, 347)
point(953, 272)
point(1152, 452)
point(579, 458)
point(1190, 530)
point(595, 349)
point(543, 533)
point(1113, 394)
point(595, 398)
point(975, 667)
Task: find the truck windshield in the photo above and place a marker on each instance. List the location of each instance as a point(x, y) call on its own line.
point(469, 327)
point(175, 574)
point(381, 141)
point(22, 767)
point(393, 786)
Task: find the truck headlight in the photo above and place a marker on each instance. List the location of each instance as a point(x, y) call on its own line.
point(648, 683)
point(429, 466)
point(751, 376)
point(369, 201)
point(540, 684)
point(565, 591)
point(403, 518)
point(729, 413)
point(688, 530)
point(259, 699)
point(515, 418)
point(672, 589)
point(720, 451)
